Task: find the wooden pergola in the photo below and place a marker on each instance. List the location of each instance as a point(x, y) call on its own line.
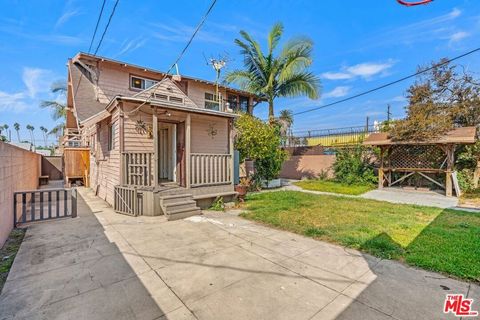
point(419, 157)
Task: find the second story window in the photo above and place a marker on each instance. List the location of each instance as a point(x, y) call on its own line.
point(211, 101)
point(243, 105)
point(141, 83)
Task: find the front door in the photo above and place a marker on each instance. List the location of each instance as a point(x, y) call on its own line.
point(167, 153)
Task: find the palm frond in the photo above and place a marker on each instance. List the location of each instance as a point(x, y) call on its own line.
point(274, 37)
point(305, 83)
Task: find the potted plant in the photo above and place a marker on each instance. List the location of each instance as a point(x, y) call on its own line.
point(242, 187)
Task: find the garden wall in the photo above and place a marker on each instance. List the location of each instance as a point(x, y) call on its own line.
point(19, 170)
point(307, 166)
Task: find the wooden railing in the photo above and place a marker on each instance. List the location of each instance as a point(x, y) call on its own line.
point(127, 200)
point(210, 169)
point(73, 138)
point(137, 168)
point(44, 204)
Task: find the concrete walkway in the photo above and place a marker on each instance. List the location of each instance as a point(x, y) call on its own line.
point(394, 195)
point(103, 265)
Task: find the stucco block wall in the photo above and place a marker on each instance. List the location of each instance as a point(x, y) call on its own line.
point(19, 170)
point(307, 166)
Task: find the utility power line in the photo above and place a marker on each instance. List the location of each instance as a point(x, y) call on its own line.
point(96, 26)
point(389, 83)
point(106, 27)
point(180, 56)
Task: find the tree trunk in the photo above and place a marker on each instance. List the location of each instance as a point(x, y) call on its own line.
point(271, 114)
point(476, 175)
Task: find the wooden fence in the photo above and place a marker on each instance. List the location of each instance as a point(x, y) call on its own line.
point(210, 169)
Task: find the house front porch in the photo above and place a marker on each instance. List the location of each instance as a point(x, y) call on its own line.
point(172, 161)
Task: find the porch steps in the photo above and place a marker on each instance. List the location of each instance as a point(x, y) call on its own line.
point(179, 206)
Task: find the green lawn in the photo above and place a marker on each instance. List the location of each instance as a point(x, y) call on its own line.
point(332, 186)
point(446, 241)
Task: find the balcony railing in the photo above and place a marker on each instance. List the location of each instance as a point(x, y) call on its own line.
point(73, 138)
point(210, 169)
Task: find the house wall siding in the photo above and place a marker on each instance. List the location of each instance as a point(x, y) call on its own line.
point(19, 170)
point(104, 163)
point(202, 141)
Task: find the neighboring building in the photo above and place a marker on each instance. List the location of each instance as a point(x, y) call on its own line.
point(136, 133)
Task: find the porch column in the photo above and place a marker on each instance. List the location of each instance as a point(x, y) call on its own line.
point(155, 146)
point(188, 131)
point(380, 170)
point(230, 146)
point(121, 126)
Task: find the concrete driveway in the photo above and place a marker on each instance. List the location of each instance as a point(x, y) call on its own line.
point(102, 265)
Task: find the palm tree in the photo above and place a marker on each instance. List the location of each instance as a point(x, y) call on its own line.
point(285, 121)
point(31, 128)
point(16, 126)
point(59, 108)
point(45, 134)
point(7, 132)
point(57, 130)
point(269, 75)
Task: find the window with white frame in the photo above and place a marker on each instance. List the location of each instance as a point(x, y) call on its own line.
point(211, 101)
point(141, 83)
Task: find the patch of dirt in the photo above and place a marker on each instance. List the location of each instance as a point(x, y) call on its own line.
point(8, 253)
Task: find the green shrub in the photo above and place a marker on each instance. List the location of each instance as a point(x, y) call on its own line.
point(260, 142)
point(218, 204)
point(354, 166)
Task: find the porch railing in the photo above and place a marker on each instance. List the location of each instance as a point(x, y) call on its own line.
point(137, 168)
point(210, 169)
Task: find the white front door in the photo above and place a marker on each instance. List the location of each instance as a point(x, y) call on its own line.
point(167, 151)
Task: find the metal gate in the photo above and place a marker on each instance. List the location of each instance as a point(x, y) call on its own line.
point(44, 204)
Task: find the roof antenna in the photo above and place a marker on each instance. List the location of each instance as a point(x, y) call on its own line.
point(218, 65)
point(177, 77)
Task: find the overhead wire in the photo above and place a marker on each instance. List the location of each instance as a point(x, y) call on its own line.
point(444, 62)
point(96, 26)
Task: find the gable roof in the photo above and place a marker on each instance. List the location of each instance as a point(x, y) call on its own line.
point(168, 92)
point(464, 135)
point(84, 55)
point(84, 95)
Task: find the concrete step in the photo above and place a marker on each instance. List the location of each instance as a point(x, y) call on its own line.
point(183, 213)
point(169, 199)
point(189, 204)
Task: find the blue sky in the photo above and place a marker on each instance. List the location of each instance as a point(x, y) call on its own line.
point(358, 45)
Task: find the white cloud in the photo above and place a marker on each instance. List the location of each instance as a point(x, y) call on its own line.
point(179, 32)
point(67, 15)
point(336, 75)
point(36, 80)
point(132, 45)
point(368, 69)
point(338, 92)
point(12, 101)
point(365, 70)
point(457, 36)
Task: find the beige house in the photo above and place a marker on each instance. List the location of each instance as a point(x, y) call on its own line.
point(150, 143)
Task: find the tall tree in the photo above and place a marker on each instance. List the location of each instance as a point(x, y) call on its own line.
point(445, 97)
point(16, 126)
point(45, 134)
point(58, 106)
point(276, 74)
point(7, 132)
point(31, 128)
point(285, 121)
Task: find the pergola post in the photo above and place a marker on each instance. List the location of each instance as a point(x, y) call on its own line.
point(380, 170)
point(449, 150)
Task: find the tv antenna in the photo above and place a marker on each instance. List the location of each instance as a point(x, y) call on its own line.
point(217, 65)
